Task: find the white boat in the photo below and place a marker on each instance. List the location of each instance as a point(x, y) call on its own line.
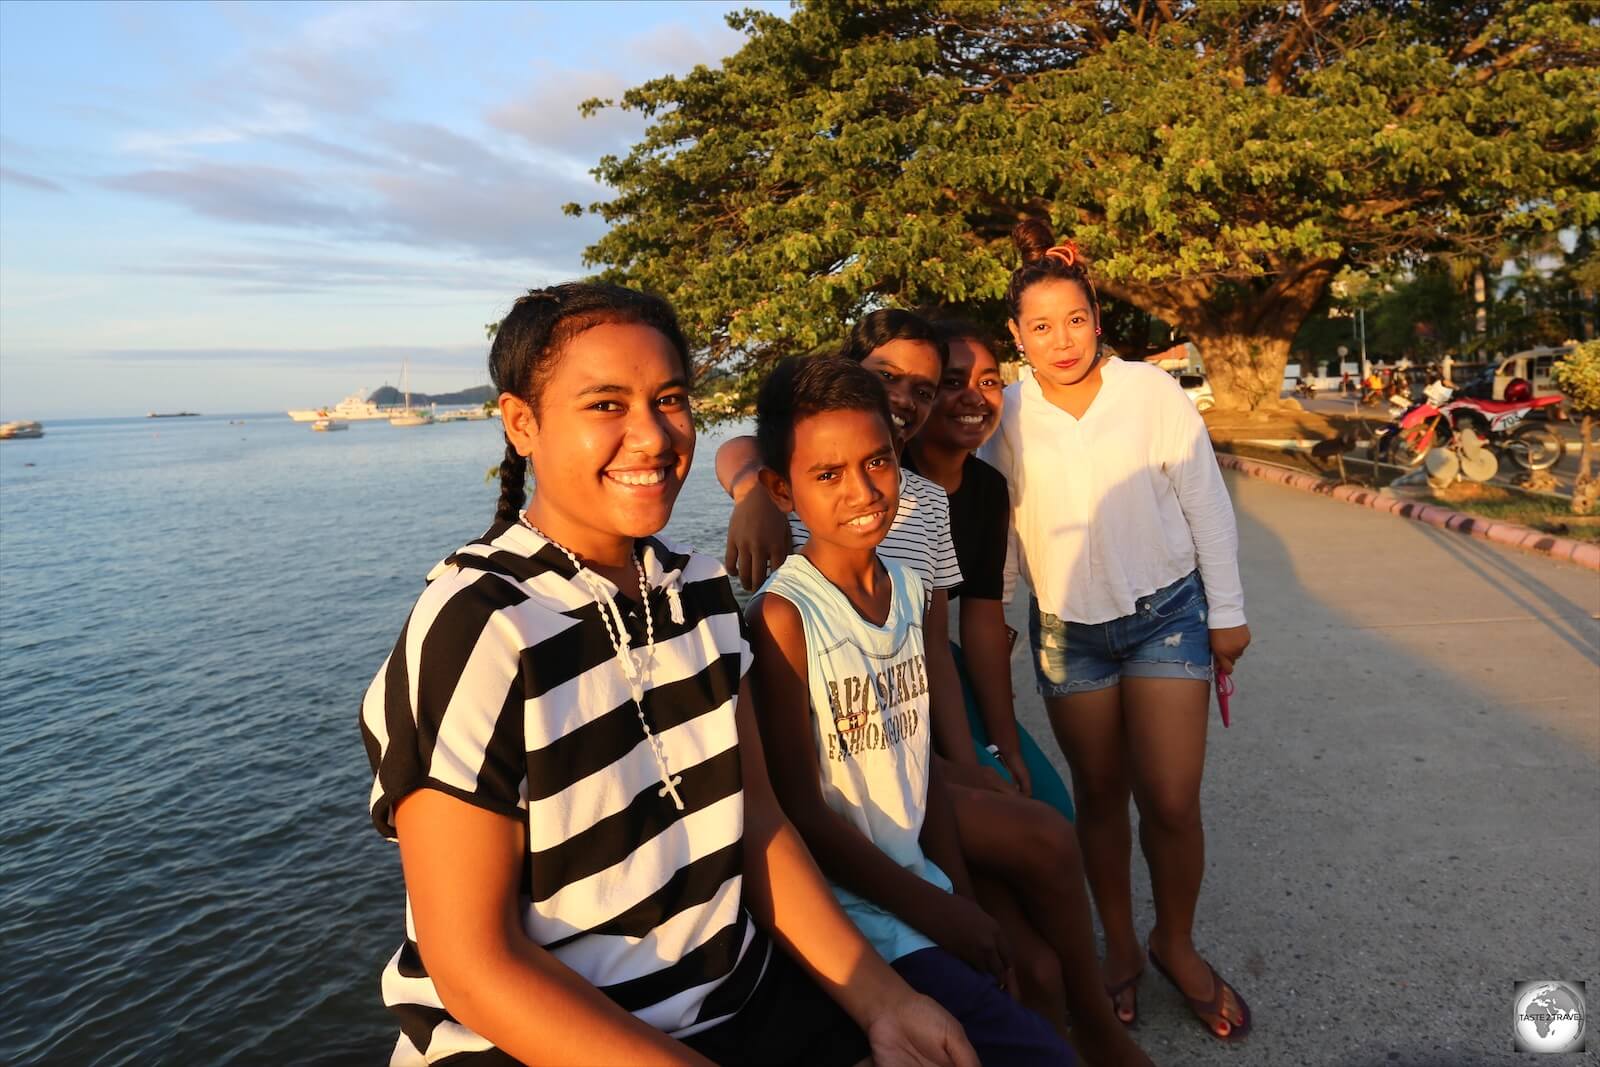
point(352, 408)
point(329, 425)
point(409, 416)
point(461, 415)
point(19, 429)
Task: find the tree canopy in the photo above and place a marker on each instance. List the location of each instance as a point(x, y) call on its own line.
point(1217, 162)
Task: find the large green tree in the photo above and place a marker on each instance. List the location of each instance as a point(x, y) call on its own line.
point(1217, 161)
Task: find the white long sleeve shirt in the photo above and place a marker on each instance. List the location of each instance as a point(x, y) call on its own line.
point(1120, 503)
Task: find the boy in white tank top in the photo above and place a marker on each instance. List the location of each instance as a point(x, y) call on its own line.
point(841, 686)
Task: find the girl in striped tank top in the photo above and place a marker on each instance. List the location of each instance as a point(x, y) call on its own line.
point(562, 744)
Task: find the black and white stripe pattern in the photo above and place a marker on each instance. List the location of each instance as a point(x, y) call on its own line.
point(504, 691)
point(919, 537)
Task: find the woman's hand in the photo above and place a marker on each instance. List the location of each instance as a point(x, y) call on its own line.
point(975, 775)
point(1012, 758)
point(917, 1032)
point(1227, 645)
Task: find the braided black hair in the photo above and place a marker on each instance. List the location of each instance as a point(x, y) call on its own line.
point(1043, 259)
point(531, 336)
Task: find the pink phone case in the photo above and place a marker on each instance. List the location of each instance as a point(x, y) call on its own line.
point(1224, 691)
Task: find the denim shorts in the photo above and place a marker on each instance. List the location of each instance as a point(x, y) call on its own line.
point(1165, 637)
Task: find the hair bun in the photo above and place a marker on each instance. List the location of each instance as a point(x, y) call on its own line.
point(1033, 239)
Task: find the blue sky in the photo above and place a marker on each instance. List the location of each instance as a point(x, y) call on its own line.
point(240, 207)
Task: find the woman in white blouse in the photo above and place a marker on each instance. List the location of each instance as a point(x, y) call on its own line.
point(1127, 538)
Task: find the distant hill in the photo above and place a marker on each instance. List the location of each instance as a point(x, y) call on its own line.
point(389, 396)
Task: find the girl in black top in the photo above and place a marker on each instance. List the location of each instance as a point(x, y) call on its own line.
point(1021, 849)
point(964, 415)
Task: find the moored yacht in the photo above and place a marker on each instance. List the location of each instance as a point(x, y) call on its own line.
point(352, 409)
point(21, 428)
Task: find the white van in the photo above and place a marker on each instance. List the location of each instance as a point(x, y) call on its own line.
point(1533, 365)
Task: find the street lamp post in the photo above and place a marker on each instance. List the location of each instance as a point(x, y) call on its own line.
point(1361, 326)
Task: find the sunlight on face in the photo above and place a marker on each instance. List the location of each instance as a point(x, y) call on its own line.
point(1054, 328)
point(910, 373)
point(612, 438)
point(844, 481)
point(970, 396)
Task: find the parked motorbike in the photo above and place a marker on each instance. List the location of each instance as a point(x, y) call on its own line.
point(1434, 422)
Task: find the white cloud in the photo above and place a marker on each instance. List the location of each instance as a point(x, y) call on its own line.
point(30, 181)
point(677, 47)
point(273, 119)
point(360, 25)
point(312, 269)
point(252, 193)
point(546, 115)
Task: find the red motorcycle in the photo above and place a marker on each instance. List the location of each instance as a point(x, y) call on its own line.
point(1434, 421)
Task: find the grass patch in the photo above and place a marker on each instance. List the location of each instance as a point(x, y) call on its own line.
point(1537, 511)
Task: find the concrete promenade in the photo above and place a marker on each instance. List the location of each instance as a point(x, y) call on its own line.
point(1403, 819)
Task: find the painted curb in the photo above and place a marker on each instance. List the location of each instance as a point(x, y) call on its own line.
point(1509, 534)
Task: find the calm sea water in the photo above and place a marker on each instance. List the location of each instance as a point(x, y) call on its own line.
point(190, 611)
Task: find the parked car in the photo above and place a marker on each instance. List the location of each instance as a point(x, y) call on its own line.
point(1198, 390)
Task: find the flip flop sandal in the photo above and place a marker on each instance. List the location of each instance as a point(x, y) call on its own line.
point(1209, 1011)
point(1128, 984)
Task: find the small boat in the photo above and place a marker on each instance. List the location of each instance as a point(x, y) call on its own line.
point(409, 416)
point(329, 425)
point(20, 429)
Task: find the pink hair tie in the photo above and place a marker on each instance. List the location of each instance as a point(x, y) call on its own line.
point(1066, 252)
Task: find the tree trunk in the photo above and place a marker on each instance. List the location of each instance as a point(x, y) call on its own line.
point(1243, 330)
point(1245, 372)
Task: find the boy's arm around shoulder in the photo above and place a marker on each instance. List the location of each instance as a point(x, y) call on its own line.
point(737, 465)
point(758, 533)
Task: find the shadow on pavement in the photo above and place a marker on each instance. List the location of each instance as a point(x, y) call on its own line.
point(1563, 617)
point(1400, 825)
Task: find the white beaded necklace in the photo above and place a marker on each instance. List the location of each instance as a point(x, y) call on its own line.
point(637, 671)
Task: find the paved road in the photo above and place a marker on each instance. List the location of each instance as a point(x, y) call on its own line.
point(1402, 820)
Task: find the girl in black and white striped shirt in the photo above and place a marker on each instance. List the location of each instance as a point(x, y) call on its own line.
point(562, 747)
